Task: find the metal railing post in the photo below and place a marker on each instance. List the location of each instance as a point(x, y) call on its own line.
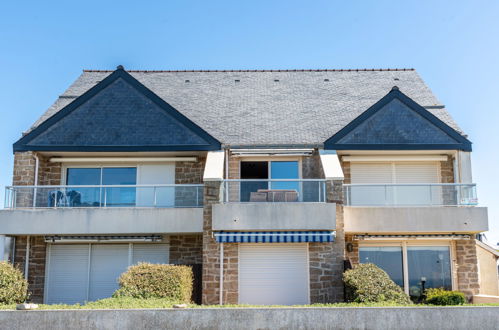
point(155, 197)
point(34, 197)
point(105, 197)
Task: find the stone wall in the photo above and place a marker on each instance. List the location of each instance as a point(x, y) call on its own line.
point(186, 249)
point(312, 167)
point(346, 172)
point(468, 280)
point(211, 255)
point(326, 259)
point(447, 171)
point(352, 256)
point(189, 172)
point(36, 267)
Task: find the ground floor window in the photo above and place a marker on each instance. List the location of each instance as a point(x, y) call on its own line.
point(388, 258)
point(426, 266)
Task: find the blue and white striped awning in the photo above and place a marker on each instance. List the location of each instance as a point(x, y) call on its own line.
point(275, 236)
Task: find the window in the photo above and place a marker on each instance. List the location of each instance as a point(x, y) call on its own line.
point(430, 264)
point(388, 258)
point(427, 265)
point(98, 196)
point(266, 170)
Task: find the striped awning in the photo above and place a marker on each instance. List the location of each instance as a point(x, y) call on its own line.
point(275, 236)
point(412, 236)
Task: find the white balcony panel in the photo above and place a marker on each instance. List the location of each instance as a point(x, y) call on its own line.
point(428, 220)
point(274, 216)
point(79, 221)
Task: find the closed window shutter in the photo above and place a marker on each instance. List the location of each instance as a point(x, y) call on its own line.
point(376, 175)
point(417, 172)
point(371, 173)
point(67, 274)
point(152, 253)
point(108, 262)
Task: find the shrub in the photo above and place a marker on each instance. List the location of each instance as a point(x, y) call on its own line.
point(367, 283)
point(156, 281)
point(13, 286)
point(443, 297)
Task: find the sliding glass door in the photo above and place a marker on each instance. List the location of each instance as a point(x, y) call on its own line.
point(388, 258)
point(428, 266)
point(258, 174)
point(100, 196)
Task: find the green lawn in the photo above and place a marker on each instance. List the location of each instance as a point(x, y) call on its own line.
point(134, 303)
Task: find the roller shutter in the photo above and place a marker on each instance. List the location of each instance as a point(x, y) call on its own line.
point(273, 274)
point(85, 272)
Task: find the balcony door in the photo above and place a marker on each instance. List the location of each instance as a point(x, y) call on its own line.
point(265, 170)
point(100, 195)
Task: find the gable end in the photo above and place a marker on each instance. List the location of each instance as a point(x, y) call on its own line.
point(117, 114)
point(396, 122)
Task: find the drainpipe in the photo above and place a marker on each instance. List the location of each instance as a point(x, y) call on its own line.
point(221, 302)
point(37, 162)
point(26, 262)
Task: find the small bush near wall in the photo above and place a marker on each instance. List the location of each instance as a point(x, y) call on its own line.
point(13, 286)
point(368, 283)
point(443, 297)
point(156, 281)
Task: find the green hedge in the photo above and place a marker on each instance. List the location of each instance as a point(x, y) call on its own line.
point(443, 297)
point(156, 281)
point(367, 283)
point(13, 286)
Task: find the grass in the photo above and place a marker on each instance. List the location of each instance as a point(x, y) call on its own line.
point(135, 303)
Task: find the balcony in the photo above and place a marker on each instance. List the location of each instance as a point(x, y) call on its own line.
point(413, 208)
point(274, 191)
point(401, 195)
point(102, 196)
point(279, 204)
point(105, 209)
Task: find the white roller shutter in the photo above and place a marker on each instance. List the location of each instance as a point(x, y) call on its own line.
point(273, 274)
point(87, 272)
point(107, 263)
point(153, 253)
point(67, 273)
point(371, 173)
point(374, 175)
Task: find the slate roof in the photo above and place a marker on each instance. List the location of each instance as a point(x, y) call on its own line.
point(289, 107)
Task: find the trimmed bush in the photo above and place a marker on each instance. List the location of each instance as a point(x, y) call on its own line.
point(13, 286)
point(156, 281)
point(443, 297)
point(367, 283)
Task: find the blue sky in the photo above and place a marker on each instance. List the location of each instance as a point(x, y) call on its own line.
point(454, 45)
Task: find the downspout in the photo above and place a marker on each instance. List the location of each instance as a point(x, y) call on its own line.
point(26, 262)
point(221, 302)
point(37, 163)
point(221, 288)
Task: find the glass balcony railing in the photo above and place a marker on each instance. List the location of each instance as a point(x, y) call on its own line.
point(444, 194)
point(167, 196)
point(274, 190)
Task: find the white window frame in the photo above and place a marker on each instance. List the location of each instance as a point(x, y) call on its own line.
point(405, 265)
